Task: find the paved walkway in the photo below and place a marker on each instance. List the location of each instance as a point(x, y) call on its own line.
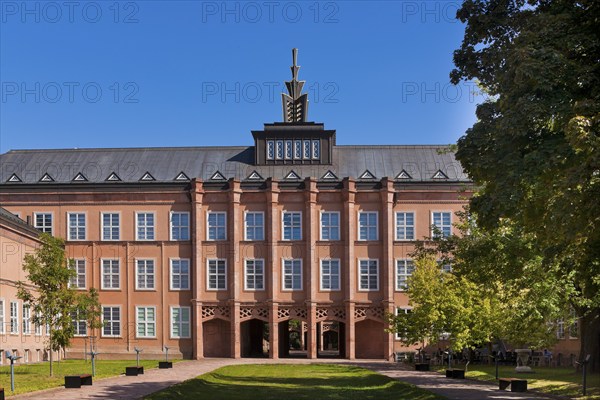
point(135, 387)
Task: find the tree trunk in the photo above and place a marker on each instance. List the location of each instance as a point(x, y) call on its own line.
point(50, 350)
point(590, 339)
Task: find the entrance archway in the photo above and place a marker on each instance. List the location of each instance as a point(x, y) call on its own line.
point(369, 339)
point(254, 335)
point(292, 339)
point(216, 338)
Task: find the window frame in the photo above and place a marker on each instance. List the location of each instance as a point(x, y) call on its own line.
point(146, 322)
point(339, 275)
point(208, 227)
point(145, 273)
point(75, 267)
point(283, 227)
point(171, 287)
point(397, 275)
point(102, 286)
point(2, 316)
point(171, 324)
point(216, 274)
point(358, 226)
point(414, 226)
point(14, 327)
point(254, 274)
point(406, 310)
point(26, 322)
point(359, 275)
point(43, 227)
point(431, 215)
point(76, 322)
point(321, 226)
point(102, 238)
point(283, 275)
point(145, 226)
point(69, 226)
point(179, 227)
point(254, 227)
point(120, 321)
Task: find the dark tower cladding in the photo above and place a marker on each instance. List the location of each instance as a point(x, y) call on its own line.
point(295, 105)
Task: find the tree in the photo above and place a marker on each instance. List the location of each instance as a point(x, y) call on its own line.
point(535, 150)
point(52, 301)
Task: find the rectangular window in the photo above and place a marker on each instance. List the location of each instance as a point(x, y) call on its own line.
point(316, 149)
point(145, 321)
point(368, 273)
point(405, 226)
point(442, 224)
point(144, 226)
point(2, 317)
point(560, 329)
point(38, 328)
point(76, 226)
point(330, 226)
point(26, 319)
point(404, 269)
point(79, 325)
point(306, 149)
point(217, 226)
point(111, 321)
point(144, 275)
point(180, 322)
point(254, 225)
point(298, 149)
point(367, 226)
point(270, 149)
point(402, 310)
point(279, 153)
point(216, 274)
point(180, 226)
point(574, 327)
point(255, 274)
point(288, 149)
point(110, 226)
point(78, 280)
point(110, 274)
point(14, 317)
point(292, 274)
point(292, 226)
point(180, 274)
point(330, 274)
point(43, 222)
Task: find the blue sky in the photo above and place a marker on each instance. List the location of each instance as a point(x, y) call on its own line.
point(206, 73)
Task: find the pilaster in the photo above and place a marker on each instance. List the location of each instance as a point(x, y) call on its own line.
point(196, 227)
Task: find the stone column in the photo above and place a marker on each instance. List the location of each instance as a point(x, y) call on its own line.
point(349, 270)
point(234, 273)
point(274, 331)
point(196, 231)
point(311, 267)
point(235, 329)
point(387, 262)
point(272, 263)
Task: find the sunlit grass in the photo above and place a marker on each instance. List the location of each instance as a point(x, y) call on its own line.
point(32, 377)
point(288, 382)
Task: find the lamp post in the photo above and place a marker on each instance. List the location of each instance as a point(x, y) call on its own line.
point(137, 356)
point(584, 364)
point(12, 359)
point(166, 354)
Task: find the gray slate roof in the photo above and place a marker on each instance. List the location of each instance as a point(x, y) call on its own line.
point(165, 164)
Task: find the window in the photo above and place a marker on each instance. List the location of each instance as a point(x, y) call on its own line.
point(368, 272)
point(574, 327)
point(442, 223)
point(405, 226)
point(292, 274)
point(14, 317)
point(402, 310)
point(330, 226)
point(144, 226)
point(180, 226)
point(180, 274)
point(306, 149)
point(279, 153)
point(560, 329)
point(110, 226)
point(180, 322)
point(217, 226)
point(26, 319)
point(43, 222)
point(111, 320)
point(78, 280)
point(145, 320)
point(298, 149)
point(330, 274)
point(37, 327)
point(144, 274)
point(316, 149)
point(288, 149)
point(270, 149)
point(110, 274)
point(255, 225)
point(76, 228)
point(2, 317)
point(255, 274)
point(216, 274)
point(79, 325)
point(292, 226)
point(404, 269)
point(367, 226)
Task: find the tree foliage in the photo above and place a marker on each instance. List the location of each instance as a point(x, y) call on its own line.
point(51, 301)
point(535, 149)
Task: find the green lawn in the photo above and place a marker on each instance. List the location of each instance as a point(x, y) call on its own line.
point(31, 377)
point(290, 382)
point(559, 381)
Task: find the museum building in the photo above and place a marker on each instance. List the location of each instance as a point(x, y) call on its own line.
point(294, 246)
